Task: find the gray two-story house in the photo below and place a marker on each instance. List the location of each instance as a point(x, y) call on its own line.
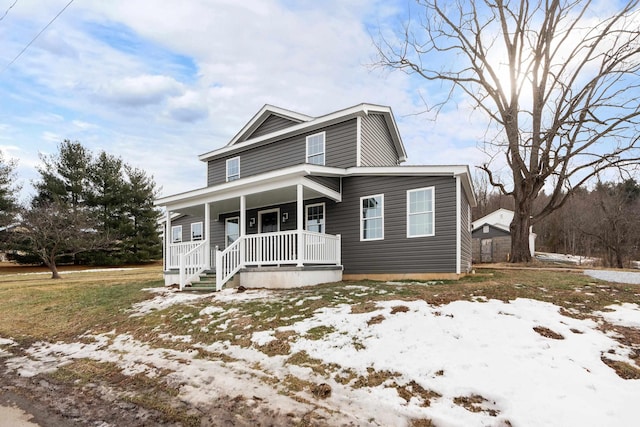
point(294, 200)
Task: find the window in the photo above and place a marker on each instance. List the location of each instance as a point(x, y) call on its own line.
point(196, 231)
point(176, 234)
point(485, 229)
point(231, 230)
point(233, 169)
point(372, 217)
point(315, 149)
point(420, 210)
point(315, 218)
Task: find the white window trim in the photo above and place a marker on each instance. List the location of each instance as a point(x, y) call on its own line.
point(324, 216)
point(226, 235)
point(201, 227)
point(324, 148)
point(362, 239)
point(227, 168)
point(176, 227)
point(433, 212)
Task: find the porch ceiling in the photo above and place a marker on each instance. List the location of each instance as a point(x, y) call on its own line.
point(256, 200)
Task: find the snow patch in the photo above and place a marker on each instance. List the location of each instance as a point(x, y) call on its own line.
point(165, 298)
point(615, 276)
point(625, 314)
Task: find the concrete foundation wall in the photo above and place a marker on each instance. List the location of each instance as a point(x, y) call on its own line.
point(288, 277)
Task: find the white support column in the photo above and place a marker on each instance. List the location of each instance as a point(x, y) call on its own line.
point(243, 227)
point(207, 236)
point(300, 223)
point(167, 239)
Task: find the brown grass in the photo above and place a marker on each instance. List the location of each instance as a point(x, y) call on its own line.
point(548, 333)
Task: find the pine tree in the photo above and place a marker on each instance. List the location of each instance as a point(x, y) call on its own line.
point(142, 243)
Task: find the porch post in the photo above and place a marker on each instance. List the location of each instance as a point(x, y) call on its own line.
point(167, 240)
point(243, 226)
point(300, 223)
point(207, 236)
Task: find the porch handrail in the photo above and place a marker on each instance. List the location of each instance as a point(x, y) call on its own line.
point(192, 263)
point(228, 263)
point(276, 249)
point(176, 250)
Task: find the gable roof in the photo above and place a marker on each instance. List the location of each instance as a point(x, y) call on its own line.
point(262, 115)
point(306, 124)
point(500, 218)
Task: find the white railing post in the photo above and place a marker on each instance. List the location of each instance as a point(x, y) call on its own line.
point(338, 249)
point(219, 270)
point(207, 235)
point(300, 223)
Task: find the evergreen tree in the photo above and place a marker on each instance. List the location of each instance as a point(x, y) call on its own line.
point(142, 242)
point(64, 177)
point(8, 192)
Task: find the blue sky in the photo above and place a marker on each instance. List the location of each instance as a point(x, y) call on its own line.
point(158, 83)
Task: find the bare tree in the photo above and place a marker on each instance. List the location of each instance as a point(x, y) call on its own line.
point(559, 81)
point(54, 229)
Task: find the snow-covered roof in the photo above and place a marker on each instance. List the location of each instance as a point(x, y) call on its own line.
point(500, 218)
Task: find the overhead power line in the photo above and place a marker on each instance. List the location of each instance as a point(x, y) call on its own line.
point(7, 11)
point(36, 37)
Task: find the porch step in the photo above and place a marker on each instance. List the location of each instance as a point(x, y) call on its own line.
point(207, 282)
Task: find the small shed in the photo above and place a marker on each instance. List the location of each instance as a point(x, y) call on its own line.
point(491, 238)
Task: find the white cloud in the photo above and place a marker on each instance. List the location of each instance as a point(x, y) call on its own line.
point(140, 90)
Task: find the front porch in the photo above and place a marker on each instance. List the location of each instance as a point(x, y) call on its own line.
point(262, 227)
point(277, 260)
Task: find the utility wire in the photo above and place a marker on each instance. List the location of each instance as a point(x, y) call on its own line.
point(7, 11)
point(36, 37)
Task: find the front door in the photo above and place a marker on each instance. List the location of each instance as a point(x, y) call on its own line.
point(269, 221)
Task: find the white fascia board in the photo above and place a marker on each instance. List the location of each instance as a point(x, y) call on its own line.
point(442, 170)
point(250, 185)
point(262, 115)
point(322, 121)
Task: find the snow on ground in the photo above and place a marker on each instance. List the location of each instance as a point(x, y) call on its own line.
point(565, 258)
point(165, 298)
point(615, 276)
point(92, 270)
point(457, 350)
point(623, 315)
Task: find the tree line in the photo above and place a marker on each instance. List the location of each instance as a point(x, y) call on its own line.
point(601, 222)
point(88, 209)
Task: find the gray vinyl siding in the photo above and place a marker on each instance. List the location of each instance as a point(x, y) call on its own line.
point(395, 253)
point(340, 151)
point(465, 235)
point(289, 224)
point(493, 232)
point(186, 221)
point(377, 147)
point(273, 123)
point(327, 181)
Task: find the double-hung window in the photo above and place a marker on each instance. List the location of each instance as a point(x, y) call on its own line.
point(315, 218)
point(233, 169)
point(196, 231)
point(176, 234)
point(315, 148)
point(231, 230)
point(420, 212)
point(372, 217)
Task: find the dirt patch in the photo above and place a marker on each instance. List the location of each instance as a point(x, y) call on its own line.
point(548, 333)
point(321, 391)
point(413, 389)
point(399, 309)
point(275, 347)
point(364, 307)
point(475, 403)
point(623, 369)
point(375, 320)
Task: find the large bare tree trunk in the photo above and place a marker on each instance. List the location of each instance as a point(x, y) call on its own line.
point(51, 265)
point(520, 227)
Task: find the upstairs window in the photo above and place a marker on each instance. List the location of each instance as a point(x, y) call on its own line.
point(196, 231)
point(315, 218)
point(233, 169)
point(420, 212)
point(372, 217)
point(315, 149)
point(176, 234)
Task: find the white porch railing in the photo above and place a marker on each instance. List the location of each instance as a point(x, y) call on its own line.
point(275, 249)
point(176, 250)
point(192, 263)
point(254, 250)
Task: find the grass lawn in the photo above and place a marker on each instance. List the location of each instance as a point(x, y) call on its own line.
point(272, 340)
